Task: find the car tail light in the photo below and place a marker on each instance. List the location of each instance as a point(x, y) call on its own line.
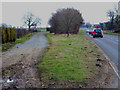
point(101, 32)
point(94, 32)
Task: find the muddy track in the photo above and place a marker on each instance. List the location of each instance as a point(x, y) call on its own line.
point(19, 63)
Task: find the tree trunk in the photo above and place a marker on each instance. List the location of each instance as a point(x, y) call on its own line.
point(68, 30)
point(67, 34)
point(29, 28)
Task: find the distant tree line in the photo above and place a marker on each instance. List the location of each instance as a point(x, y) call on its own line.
point(65, 21)
point(11, 34)
point(114, 20)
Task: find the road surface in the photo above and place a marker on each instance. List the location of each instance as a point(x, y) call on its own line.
point(109, 44)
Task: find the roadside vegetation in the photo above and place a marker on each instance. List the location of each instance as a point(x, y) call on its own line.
point(31, 20)
point(69, 60)
point(43, 30)
point(111, 33)
point(0, 48)
point(12, 36)
point(65, 21)
point(6, 46)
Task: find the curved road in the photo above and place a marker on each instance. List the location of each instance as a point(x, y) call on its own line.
point(109, 44)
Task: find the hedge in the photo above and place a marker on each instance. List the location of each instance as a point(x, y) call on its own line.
point(11, 34)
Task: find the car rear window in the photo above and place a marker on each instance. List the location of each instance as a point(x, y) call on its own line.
point(97, 30)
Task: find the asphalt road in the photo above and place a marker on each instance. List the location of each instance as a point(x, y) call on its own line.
point(109, 44)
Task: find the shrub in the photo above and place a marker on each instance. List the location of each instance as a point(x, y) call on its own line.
point(0, 35)
point(14, 34)
point(4, 40)
point(11, 34)
point(66, 21)
point(8, 34)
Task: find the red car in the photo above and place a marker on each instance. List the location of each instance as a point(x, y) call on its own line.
point(91, 32)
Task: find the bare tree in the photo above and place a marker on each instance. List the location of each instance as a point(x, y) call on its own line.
point(66, 21)
point(117, 20)
point(31, 20)
point(111, 15)
point(114, 22)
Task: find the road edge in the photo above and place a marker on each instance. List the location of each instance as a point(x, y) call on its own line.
point(112, 64)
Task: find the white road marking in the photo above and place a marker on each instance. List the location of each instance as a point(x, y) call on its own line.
point(110, 62)
point(113, 68)
point(115, 71)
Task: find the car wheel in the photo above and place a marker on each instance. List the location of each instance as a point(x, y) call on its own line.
point(93, 36)
point(101, 36)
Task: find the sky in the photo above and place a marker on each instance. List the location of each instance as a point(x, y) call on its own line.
point(93, 12)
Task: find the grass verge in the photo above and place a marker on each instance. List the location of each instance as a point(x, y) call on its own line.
point(20, 40)
point(43, 30)
point(69, 60)
point(112, 33)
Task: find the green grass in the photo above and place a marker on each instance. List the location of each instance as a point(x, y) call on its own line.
point(43, 30)
point(0, 48)
point(68, 59)
point(20, 40)
point(112, 33)
point(48, 36)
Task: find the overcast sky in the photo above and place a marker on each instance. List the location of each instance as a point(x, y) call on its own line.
point(93, 12)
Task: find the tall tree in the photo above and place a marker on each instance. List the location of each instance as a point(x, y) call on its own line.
point(66, 21)
point(111, 15)
point(31, 20)
point(117, 20)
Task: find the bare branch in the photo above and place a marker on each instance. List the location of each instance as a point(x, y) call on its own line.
point(31, 20)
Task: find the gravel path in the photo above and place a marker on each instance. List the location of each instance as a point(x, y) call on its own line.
point(19, 62)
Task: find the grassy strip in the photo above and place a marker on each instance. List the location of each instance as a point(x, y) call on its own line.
point(112, 33)
point(48, 36)
point(69, 59)
point(43, 30)
point(0, 48)
point(20, 40)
